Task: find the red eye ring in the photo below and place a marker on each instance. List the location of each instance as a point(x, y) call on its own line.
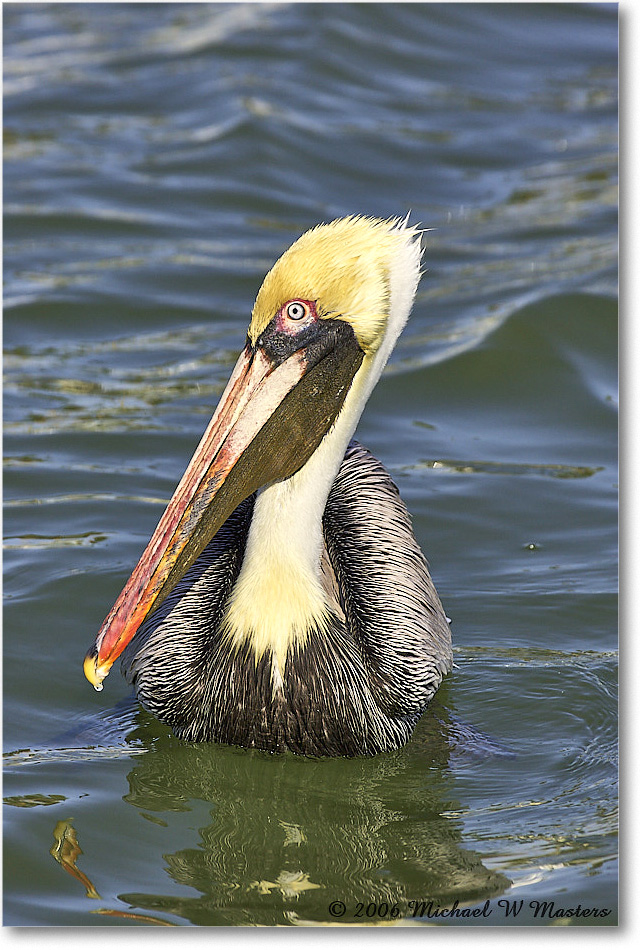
point(297, 310)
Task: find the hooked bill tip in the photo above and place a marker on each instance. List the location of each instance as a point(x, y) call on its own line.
point(93, 672)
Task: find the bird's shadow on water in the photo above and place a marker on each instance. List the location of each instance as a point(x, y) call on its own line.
point(109, 727)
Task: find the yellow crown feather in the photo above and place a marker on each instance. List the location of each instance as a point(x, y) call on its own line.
point(344, 267)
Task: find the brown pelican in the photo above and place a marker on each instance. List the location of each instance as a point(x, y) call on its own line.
point(283, 601)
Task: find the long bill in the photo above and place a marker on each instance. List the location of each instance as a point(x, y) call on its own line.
point(272, 416)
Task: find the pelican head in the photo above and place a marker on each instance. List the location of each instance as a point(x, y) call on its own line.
point(323, 325)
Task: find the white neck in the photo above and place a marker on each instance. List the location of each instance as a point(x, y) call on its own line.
point(279, 595)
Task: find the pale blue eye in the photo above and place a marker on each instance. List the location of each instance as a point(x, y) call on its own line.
point(296, 310)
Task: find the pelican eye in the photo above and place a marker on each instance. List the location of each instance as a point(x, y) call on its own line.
point(297, 310)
